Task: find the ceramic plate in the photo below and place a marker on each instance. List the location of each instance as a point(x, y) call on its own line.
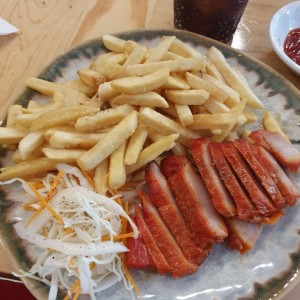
point(265, 272)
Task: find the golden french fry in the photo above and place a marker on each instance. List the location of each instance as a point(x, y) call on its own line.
point(58, 97)
point(179, 65)
point(135, 144)
point(178, 149)
point(187, 97)
point(213, 71)
point(28, 168)
point(196, 82)
point(74, 140)
point(171, 56)
point(144, 99)
point(117, 171)
point(270, 124)
point(113, 43)
point(30, 143)
point(48, 132)
point(16, 158)
point(12, 135)
point(215, 107)
point(156, 54)
point(166, 126)
point(153, 151)
point(101, 177)
point(111, 141)
point(13, 112)
point(81, 87)
point(183, 49)
point(137, 56)
point(91, 77)
point(61, 116)
point(211, 122)
point(106, 92)
point(26, 120)
point(171, 110)
point(63, 155)
point(103, 118)
point(251, 117)
point(110, 70)
point(232, 78)
point(175, 82)
point(184, 114)
point(136, 85)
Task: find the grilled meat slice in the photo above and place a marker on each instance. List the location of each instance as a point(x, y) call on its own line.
point(220, 196)
point(262, 175)
point(245, 207)
point(242, 235)
point(165, 241)
point(248, 179)
point(161, 196)
point(161, 264)
point(194, 201)
point(138, 256)
point(285, 185)
point(281, 148)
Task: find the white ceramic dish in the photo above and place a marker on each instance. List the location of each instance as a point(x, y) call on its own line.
point(284, 20)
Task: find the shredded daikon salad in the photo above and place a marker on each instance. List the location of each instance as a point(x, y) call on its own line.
point(81, 234)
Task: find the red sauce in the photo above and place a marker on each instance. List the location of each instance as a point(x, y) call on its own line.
point(292, 45)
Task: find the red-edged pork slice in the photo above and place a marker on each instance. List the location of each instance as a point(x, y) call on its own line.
point(248, 179)
point(165, 241)
point(161, 196)
point(281, 148)
point(193, 201)
point(220, 196)
point(285, 185)
point(242, 235)
point(245, 207)
point(138, 256)
point(161, 263)
point(262, 175)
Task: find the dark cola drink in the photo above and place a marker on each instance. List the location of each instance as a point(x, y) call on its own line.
point(217, 19)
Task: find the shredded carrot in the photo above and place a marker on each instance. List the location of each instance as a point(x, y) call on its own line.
point(69, 230)
point(118, 237)
point(46, 204)
point(37, 185)
point(77, 294)
point(49, 195)
point(88, 177)
point(75, 286)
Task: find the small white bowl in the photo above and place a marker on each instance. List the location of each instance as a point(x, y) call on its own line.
point(284, 20)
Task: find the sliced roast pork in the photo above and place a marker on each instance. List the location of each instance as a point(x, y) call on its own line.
point(165, 241)
point(246, 210)
point(263, 176)
point(242, 235)
point(162, 198)
point(161, 263)
point(194, 201)
point(138, 256)
point(220, 196)
point(281, 148)
point(259, 197)
point(285, 185)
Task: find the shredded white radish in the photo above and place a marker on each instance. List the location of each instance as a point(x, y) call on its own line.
point(75, 249)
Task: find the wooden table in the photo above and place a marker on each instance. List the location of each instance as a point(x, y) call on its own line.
point(50, 27)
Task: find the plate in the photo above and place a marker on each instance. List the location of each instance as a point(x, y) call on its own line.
point(267, 271)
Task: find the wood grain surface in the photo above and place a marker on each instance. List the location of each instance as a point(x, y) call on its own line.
point(50, 27)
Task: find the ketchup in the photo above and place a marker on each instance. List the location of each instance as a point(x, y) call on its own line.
point(292, 45)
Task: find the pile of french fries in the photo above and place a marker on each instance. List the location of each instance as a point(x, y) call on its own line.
point(127, 108)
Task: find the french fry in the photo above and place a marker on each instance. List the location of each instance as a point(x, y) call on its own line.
point(136, 85)
point(103, 118)
point(171, 56)
point(30, 143)
point(175, 82)
point(187, 97)
point(26, 120)
point(166, 126)
point(183, 49)
point(171, 110)
point(178, 149)
point(109, 70)
point(232, 78)
point(28, 168)
point(63, 155)
point(117, 171)
point(184, 114)
point(12, 135)
point(48, 132)
point(137, 56)
point(16, 158)
point(106, 92)
point(79, 86)
point(74, 140)
point(179, 65)
point(135, 144)
point(113, 43)
point(62, 116)
point(144, 99)
point(151, 152)
point(214, 72)
point(101, 177)
point(156, 54)
point(111, 141)
point(270, 124)
point(215, 107)
point(13, 112)
point(251, 117)
point(91, 77)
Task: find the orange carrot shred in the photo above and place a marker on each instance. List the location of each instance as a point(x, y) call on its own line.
point(118, 237)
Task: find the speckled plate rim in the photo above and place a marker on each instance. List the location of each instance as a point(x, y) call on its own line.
point(276, 286)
